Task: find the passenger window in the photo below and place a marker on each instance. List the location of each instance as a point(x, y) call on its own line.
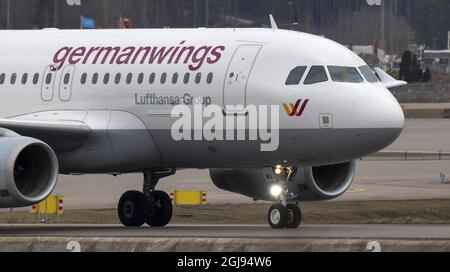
point(174, 78)
point(106, 78)
point(368, 74)
point(151, 79)
point(198, 78)
point(24, 78)
point(83, 78)
point(117, 78)
point(2, 78)
point(35, 78)
point(94, 78)
point(296, 75)
point(209, 78)
point(140, 78)
point(163, 78)
point(129, 78)
point(345, 74)
point(186, 78)
point(316, 74)
point(13, 78)
point(66, 78)
point(48, 78)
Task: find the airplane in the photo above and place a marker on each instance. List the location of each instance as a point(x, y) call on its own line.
point(105, 102)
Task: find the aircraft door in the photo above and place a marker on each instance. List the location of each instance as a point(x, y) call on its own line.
point(48, 83)
point(238, 73)
point(65, 83)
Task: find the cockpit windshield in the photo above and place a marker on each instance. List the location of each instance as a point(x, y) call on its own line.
point(295, 76)
point(345, 74)
point(316, 74)
point(368, 74)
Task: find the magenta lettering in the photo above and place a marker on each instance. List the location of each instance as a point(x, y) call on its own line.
point(194, 57)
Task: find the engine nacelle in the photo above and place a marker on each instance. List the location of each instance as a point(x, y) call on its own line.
point(307, 183)
point(28, 170)
point(324, 182)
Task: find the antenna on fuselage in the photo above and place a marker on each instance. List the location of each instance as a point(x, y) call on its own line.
point(273, 24)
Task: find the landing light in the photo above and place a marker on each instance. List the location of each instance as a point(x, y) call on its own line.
point(276, 190)
point(278, 169)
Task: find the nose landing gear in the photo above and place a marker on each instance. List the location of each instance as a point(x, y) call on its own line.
point(150, 206)
point(294, 216)
point(283, 214)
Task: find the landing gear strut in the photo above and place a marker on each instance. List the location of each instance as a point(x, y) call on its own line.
point(149, 206)
point(283, 214)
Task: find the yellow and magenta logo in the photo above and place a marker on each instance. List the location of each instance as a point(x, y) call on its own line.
point(296, 109)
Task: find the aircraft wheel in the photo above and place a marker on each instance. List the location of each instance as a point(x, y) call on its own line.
point(294, 216)
point(277, 216)
point(133, 208)
point(163, 213)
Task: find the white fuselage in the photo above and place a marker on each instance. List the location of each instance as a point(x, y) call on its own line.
point(131, 118)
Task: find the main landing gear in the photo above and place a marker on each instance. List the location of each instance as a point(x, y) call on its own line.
point(149, 206)
point(283, 214)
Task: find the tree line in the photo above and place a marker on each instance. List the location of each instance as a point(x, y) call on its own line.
point(347, 21)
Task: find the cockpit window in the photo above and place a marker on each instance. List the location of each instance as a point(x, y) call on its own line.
point(316, 74)
point(368, 74)
point(295, 76)
point(345, 74)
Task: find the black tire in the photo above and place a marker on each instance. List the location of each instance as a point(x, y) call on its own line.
point(133, 209)
point(294, 217)
point(277, 216)
point(163, 214)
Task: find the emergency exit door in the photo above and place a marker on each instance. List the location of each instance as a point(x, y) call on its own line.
point(48, 83)
point(65, 83)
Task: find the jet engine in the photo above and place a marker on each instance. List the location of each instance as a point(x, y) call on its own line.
point(28, 170)
point(304, 184)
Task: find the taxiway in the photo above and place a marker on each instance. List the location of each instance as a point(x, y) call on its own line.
point(408, 232)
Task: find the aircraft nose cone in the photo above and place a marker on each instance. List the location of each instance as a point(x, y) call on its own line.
point(380, 113)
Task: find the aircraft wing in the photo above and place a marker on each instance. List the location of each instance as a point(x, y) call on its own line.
point(59, 134)
point(387, 80)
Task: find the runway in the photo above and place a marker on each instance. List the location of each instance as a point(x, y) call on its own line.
point(392, 232)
